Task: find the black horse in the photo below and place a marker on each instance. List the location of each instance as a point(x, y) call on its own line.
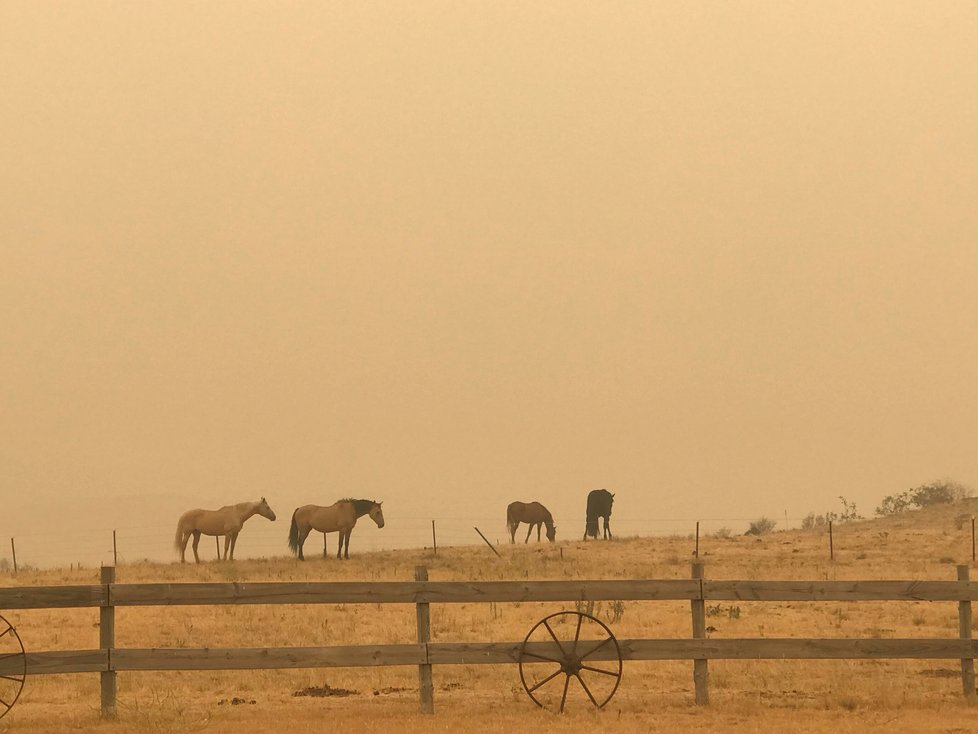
point(598, 505)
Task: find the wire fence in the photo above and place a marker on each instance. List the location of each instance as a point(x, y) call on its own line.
point(92, 547)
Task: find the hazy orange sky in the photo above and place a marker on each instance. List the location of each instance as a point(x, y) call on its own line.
point(720, 258)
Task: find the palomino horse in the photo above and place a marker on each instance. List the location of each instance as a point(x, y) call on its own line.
point(342, 516)
point(533, 514)
point(227, 522)
point(598, 505)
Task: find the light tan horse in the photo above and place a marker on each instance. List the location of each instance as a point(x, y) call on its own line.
point(227, 522)
point(341, 516)
point(533, 514)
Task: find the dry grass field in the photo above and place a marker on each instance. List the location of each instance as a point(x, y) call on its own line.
point(746, 696)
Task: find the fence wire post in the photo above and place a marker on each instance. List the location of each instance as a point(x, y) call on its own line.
point(106, 641)
point(964, 625)
point(426, 688)
point(701, 671)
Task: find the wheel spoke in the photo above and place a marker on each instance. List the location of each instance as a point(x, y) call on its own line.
point(550, 630)
point(564, 697)
point(544, 681)
point(19, 679)
point(596, 647)
point(8, 705)
point(612, 673)
point(6, 630)
point(577, 633)
point(586, 689)
point(542, 657)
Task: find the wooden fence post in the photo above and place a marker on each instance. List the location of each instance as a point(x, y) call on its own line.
point(964, 625)
point(487, 542)
point(106, 641)
point(115, 551)
point(831, 545)
point(13, 552)
point(426, 688)
point(434, 540)
point(701, 672)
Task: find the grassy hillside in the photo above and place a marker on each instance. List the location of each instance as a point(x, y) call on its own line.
point(751, 696)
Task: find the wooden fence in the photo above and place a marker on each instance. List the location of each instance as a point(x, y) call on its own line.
point(108, 660)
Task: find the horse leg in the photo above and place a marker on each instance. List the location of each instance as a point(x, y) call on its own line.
point(303, 534)
point(346, 549)
point(227, 545)
point(512, 532)
point(539, 524)
point(196, 534)
point(607, 528)
point(234, 539)
point(529, 529)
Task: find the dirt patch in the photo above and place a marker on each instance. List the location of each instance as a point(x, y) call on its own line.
point(236, 701)
point(393, 689)
point(940, 673)
point(325, 691)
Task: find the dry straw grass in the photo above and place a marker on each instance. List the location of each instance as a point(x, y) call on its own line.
point(746, 696)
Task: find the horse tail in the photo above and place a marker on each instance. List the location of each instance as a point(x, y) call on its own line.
point(178, 540)
point(511, 520)
point(294, 534)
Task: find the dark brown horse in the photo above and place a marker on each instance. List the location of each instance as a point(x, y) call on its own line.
point(533, 514)
point(341, 516)
point(598, 505)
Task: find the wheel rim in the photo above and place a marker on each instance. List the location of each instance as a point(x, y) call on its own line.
point(549, 660)
point(13, 666)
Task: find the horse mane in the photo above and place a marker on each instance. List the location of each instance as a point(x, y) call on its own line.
point(361, 507)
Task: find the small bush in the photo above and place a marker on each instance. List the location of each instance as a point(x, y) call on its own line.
point(941, 492)
point(761, 526)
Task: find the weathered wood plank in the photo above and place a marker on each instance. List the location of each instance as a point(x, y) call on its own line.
point(584, 590)
point(472, 653)
point(52, 597)
point(337, 592)
point(405, 592)
point(263, 658)
point(840, 590)
point(56, 661)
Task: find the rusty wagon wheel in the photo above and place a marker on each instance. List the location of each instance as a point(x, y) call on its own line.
point(554, 650)
point(13, 666)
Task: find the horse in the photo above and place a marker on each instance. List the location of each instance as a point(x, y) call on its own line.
point(533, 514)
point(227, 522)
point(598, 505)
point(342, 516)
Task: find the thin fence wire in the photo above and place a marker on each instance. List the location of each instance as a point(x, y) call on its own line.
point(93, 547)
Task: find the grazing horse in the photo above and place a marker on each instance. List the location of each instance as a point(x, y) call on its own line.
point(533, 514)
point(598, 505)
point(340, 516)
point(227, 522)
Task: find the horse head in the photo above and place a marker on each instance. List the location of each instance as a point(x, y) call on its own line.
point(552, 533)
point(376, 514)
point(264, 510)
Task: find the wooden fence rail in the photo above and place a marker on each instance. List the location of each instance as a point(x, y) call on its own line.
point(108, 660)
